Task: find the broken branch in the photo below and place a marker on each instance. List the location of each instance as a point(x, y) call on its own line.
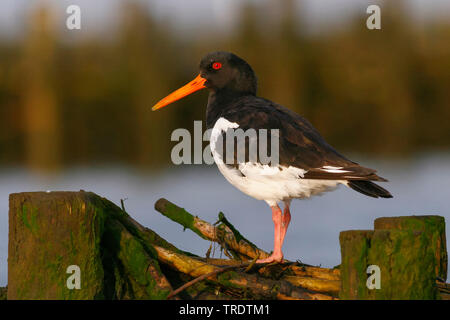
point(220, 234)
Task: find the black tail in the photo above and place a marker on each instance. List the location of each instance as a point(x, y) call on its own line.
point(369, 188)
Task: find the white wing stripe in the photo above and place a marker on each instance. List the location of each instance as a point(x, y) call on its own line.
point(332, 169)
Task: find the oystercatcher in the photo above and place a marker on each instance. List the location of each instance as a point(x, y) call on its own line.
point(307, 164)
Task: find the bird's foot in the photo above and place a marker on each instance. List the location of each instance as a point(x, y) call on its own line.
point(272, 258)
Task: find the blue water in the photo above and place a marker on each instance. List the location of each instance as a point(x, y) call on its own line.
point(420, 186)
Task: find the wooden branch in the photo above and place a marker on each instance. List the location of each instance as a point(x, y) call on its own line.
point(257, 286)
point(311, 278)
point(229, 235)
point(142, 232)
point(444, 289)
point(205, 276)
point(202, 268)
point(182, 263)
point(317, 272)
point(220, 262)
point(247, 266)
point(315, 284)
point(291, 269)
point(220, 234)
point(187, 220)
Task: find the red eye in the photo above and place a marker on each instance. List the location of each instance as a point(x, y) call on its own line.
point(216, 65)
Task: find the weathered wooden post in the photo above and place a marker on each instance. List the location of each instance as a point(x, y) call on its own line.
point(407, 254)
point(59, 236)
point(433, 226)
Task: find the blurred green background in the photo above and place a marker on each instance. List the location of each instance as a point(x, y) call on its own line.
point(69, 99)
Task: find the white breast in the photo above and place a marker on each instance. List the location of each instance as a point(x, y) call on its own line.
point(269, 183)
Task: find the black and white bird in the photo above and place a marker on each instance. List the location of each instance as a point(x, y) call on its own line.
point(307, 164)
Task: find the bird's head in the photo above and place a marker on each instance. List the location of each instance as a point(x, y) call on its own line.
point(219, 72)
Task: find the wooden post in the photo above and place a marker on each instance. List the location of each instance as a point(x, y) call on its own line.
point(354, 250)
point(405, 256)
point(434, 226)
point(49, 232)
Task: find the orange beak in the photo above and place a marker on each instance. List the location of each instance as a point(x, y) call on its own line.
point(197, 84)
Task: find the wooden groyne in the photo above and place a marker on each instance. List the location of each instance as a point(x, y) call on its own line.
point(408, 252)
point(78, 245)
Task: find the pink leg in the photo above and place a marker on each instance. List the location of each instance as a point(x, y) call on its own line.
point(277, 255)
point(285, 220)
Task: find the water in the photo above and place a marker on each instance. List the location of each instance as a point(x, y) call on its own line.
point(419, 186)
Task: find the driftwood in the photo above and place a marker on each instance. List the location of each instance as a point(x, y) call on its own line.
point(310, 278)
point(121, 259)
point(224, 234)
point(273, 281)
point(253, 284)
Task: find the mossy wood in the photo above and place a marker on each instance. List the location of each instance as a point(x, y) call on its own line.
point(48, 232)
point(120, 259)
point(225, 234)
point(434, 228)
point(409, 252)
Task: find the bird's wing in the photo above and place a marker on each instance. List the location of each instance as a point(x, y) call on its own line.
point(300, 144)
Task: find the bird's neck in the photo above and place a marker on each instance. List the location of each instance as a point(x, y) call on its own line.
point(219, 102)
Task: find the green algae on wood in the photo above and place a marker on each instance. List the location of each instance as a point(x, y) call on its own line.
point(48, 232)
point(45, 238)
point(139, 271)
point(404, 249)
point(179, 215)
point(434, 228)
point(145, 234)
point(355, 245)
point(407, 264)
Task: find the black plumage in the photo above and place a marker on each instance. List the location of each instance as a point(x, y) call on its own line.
point(300, 144)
